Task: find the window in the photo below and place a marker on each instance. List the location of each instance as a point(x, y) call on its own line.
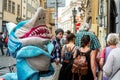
point(13, 7)
point(18, 10)
point(9, 5)
point(24, 1)
point(23, 11)
point(45, 5)
point(5, 5)
point(24, 15)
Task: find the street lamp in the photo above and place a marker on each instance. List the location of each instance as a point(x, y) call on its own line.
point(74, 12)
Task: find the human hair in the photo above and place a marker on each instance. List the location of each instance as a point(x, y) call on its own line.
point(84, 26)
point(59, 30)
point(70, 37)
point(112, 39)
point(68, 32)
point(85, 40)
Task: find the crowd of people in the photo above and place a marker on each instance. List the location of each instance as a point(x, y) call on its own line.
point(86, 42)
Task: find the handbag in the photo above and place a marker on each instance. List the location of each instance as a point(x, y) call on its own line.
point(68, 54)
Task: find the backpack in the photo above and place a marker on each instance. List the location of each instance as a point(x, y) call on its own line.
point(80, 64)
point(68, 55)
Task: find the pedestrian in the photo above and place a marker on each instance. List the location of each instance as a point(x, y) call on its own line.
point(64, 39)
point(112, 41)
point(90, 57)
point(6, 45)
point(94, 42)
point(84, 30)
point(111, 69)
point(1, 44)
point(56, 53)
point(69, 48)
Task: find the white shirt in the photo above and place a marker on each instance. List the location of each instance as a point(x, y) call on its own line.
point(112, 64)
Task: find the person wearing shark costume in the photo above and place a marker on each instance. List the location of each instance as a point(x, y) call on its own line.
point(29, 42)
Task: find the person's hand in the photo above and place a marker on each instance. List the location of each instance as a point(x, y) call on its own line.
point(2, 40)
point(57, 62)
point(95, 78)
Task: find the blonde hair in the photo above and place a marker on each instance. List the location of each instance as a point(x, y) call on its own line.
point(112, 39)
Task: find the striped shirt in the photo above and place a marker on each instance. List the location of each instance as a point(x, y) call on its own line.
point(95, 44)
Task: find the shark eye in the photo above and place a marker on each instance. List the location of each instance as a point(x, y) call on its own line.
point(43, 17)
point(39, 18)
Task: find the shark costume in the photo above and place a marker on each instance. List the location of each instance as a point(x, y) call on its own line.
point(29, 42)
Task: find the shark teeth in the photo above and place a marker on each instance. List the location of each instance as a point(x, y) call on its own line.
point(40, 32)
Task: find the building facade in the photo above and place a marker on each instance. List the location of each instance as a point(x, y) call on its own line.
point(17, 10)
point(29, 8)
point(67, 19)
point(117, 2)
point(10, 11)
point(73, 15)
point(1, 12)
point(113, 16)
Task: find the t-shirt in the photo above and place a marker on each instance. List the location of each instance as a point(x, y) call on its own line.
point(105, 52)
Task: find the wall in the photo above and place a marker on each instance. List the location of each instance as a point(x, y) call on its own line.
point(118, 16)
point(1, 15)
point(94, 12)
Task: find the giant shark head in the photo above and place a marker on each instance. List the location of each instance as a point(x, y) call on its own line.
point(29, 32)
point(33, 31)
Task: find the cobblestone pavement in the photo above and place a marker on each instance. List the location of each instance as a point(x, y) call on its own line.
point(6, 61)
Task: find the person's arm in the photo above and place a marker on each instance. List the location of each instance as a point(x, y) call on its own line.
point(62, 51)
point(102, 58)
point(108, 67)
point(93, 62)
point(101, 63)
point(75, 54)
